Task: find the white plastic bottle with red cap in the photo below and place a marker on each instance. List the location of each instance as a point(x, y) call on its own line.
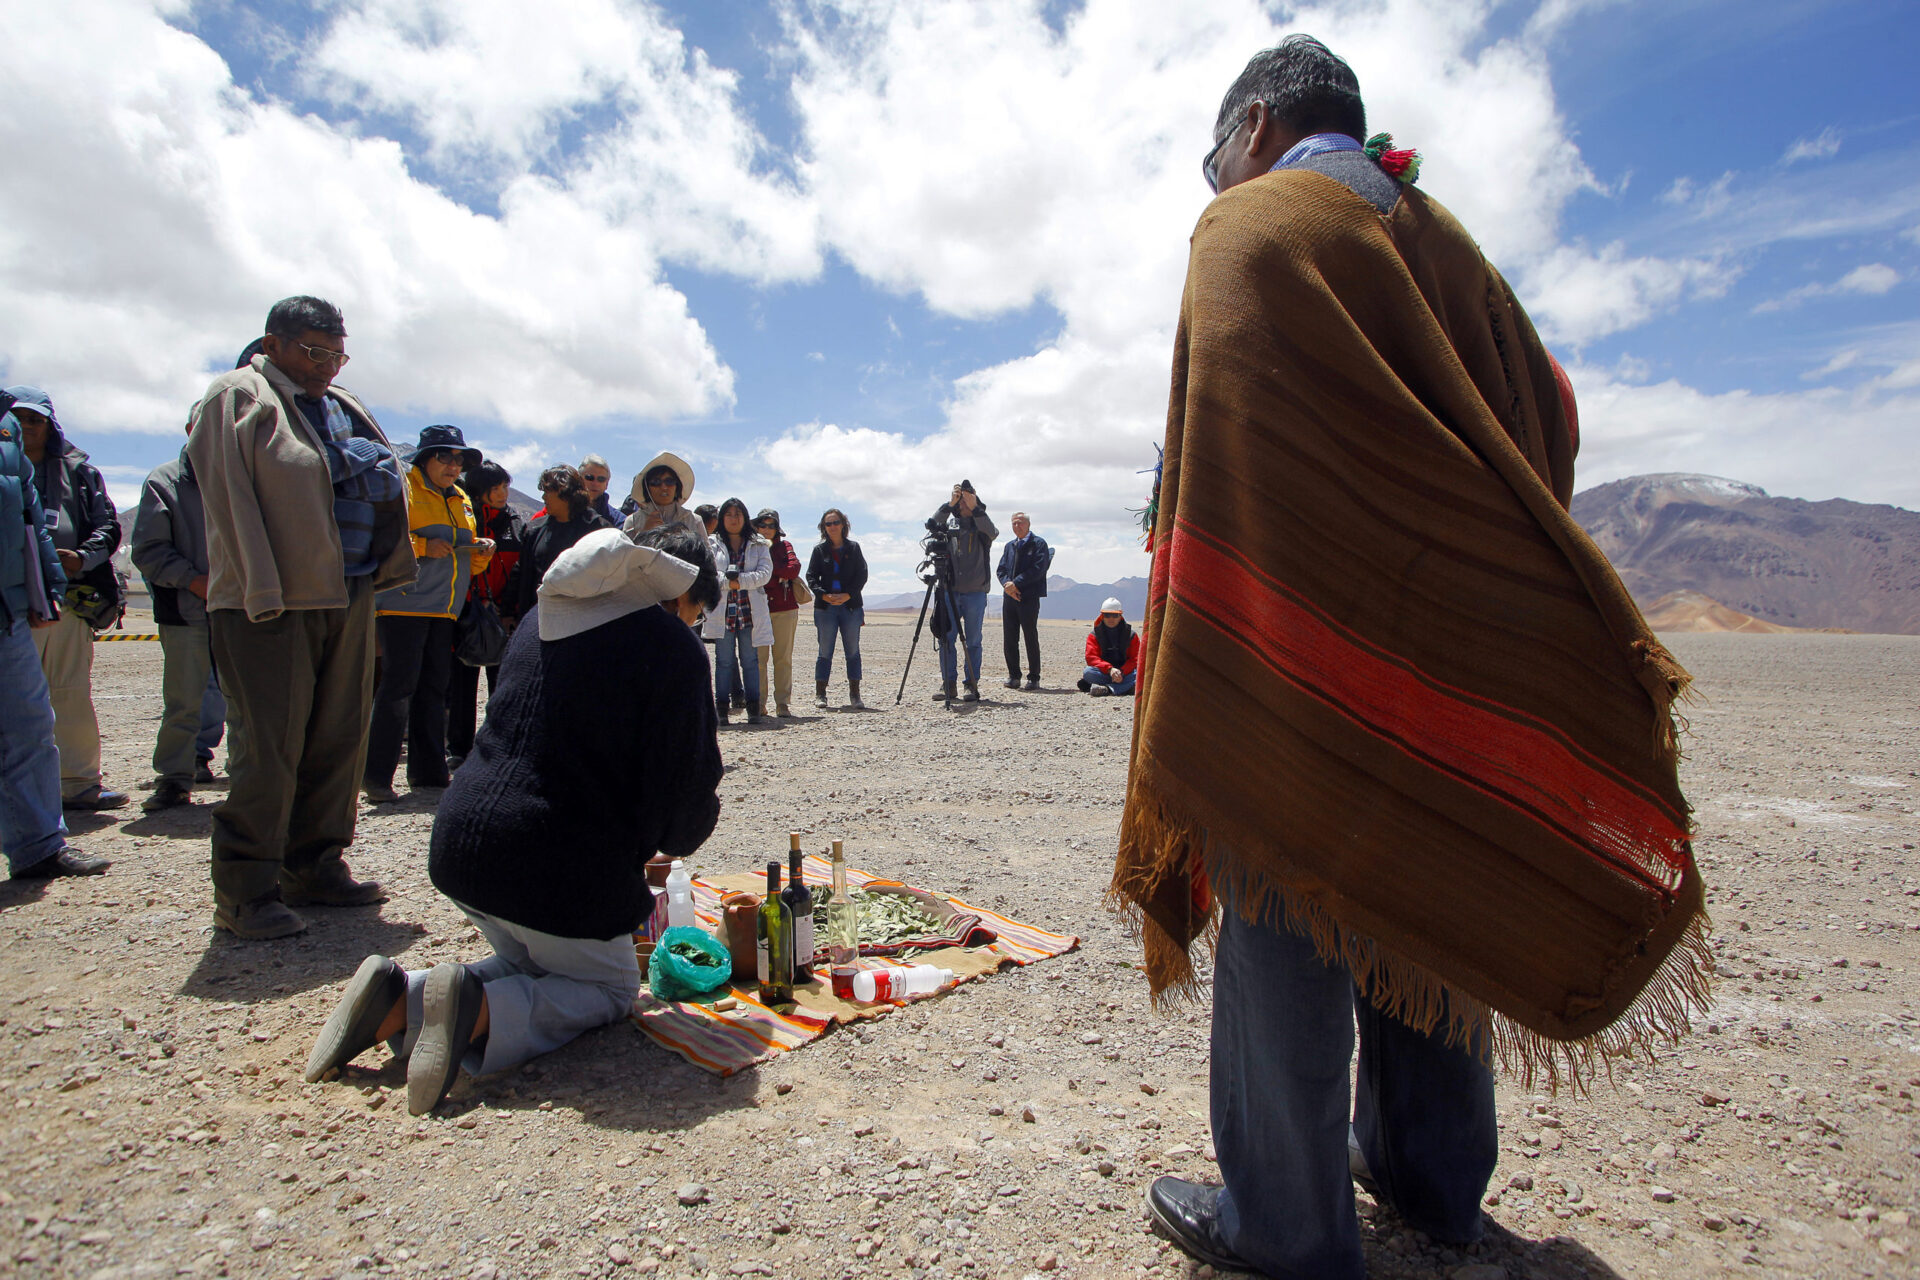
point(873, 985)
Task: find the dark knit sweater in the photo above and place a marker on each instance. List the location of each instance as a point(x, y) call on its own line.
point(597, 751)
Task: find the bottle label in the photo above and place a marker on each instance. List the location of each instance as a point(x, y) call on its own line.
point(803, 948)
point(886, 985)
point(760, 959)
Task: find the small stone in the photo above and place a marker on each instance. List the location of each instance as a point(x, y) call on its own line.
point(1893, 1248)
point(1661, 1195)
point(784, 1088)
point(1714, 1222)
point(1712, 1098)
point(691, 1193)
point(996, 1040)
point(619, 1254)
point(1091, 1037)
point(1521, 1182)
point(1050, 1263)
point(1478, 1271)
point(1026, 1115)
point(1106, 1168)
point(995, 1110)
point(862, 1130)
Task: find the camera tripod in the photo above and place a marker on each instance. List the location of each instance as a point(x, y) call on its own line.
point(937, 572)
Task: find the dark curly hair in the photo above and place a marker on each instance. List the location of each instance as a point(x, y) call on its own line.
point(572, 489)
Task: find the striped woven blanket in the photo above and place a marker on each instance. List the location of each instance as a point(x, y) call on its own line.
point(725, 1041)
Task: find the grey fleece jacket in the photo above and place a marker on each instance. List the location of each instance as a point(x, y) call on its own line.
point(170, 542)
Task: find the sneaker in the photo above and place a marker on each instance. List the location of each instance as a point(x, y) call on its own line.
point(972, 694)
point(379, 793)
point(204, 776)
point(170, 794)
point(66, 861)
point(1013, 682)
point(352, 1030)
point(450, 1007)
point(1101, 691)
point(946, 693)
point(258, 920)
point(94, 798)
point(332, 886)
point(1033, 682)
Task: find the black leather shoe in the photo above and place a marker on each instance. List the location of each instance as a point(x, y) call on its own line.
point(364, 1005)
point(95, 798)
point(1188, 1214)
point(1033, 682)
point(69, 861)
point(1013, 682)
point(204, 776)
point(450, 1007)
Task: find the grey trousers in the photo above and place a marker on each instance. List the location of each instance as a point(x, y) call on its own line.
point(298, 688)
point(193, 709)
point(542, 991)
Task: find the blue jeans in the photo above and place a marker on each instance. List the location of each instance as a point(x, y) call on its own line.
point(736, 646)
point(1283, 1032)
point(1098, 675)
point(973, 611)
point(844, 621)
point(32, 828)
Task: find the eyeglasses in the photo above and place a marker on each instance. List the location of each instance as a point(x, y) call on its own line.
point(324, 355)
point(654, 482)
point(1209, 165)
point(596, 479)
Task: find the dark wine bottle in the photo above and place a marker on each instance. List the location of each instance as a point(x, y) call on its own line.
point(774, 934)
point(799, 903)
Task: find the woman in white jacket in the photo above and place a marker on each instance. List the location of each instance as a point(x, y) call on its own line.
point(740, 622)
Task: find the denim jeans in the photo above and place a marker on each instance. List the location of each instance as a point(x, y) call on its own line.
point(973, 611)
point(736, 646)
point(1098, 675)
point(844, 621)
point(1283, 1032)
point(32, 828)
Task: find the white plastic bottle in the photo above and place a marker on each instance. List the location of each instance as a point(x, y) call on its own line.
point(679, 896)
point(873, 985)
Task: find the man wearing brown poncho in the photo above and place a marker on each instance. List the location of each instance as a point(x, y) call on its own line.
point(1404, 747)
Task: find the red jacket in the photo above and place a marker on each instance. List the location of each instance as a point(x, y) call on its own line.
point(786, 568)
point(1127, 667)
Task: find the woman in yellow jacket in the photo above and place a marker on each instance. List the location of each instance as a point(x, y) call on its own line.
point(415, 621)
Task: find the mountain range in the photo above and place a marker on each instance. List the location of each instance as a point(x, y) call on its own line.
point(1833, 564)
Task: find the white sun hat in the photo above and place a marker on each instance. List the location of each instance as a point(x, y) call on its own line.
point(605, 576)
point(1111, 605)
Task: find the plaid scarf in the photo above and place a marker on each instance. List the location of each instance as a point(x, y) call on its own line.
point(1458, 764)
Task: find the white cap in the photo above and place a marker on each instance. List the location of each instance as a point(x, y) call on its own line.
point(606, 576)
point(1111, 605)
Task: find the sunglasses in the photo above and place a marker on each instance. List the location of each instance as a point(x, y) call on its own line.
point(836, 524)
point(654, 482)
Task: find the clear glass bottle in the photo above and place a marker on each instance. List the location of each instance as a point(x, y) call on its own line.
point(843, 929)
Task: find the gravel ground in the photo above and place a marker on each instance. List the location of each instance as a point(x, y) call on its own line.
point(155, 1122)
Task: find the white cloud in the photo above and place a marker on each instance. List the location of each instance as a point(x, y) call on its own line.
point(1803, 444)
point(1871, 280)
point(1819, 147)
point(186, 206)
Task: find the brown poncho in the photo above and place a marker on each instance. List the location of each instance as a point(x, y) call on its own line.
point(1392, 695)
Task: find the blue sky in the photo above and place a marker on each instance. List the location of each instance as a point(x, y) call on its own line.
point(846, 251)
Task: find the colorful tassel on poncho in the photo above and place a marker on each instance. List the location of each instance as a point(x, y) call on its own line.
point(1403, 164)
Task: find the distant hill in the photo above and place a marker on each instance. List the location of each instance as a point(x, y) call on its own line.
point(1822, 565)
point(1691, 611)
point(1065, 599)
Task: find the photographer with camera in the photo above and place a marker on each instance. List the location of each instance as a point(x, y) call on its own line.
point(968, 532)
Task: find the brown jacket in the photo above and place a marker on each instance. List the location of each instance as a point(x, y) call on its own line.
point(271, 538)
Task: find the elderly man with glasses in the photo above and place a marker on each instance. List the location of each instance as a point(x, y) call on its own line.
point(306, 519)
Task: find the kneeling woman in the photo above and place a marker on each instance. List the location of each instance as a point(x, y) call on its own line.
point(598, 750)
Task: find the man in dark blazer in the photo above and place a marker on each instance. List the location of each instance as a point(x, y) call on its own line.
point(1024, 563)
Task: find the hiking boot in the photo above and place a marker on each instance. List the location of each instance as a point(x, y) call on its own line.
point(353, 1029)
point(819, 693)
point(1033, 682)
point(1013, 682)
point(94, 798)
point(972, 692)
point(170, 794)
point(739, 702)
point(946, 693)
point(450, 1007)
point(66, 861)
point(204, 776)
point(782, 712)
point(379, 793)
point(334, 886)
point(259, 920)
point(853, 696)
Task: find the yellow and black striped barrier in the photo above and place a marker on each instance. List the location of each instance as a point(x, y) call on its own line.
point(126, 635)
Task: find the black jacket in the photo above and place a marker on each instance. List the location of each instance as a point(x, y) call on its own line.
point(853, 573)
point(1026, 567)
point(542, 544)
point(598, 751)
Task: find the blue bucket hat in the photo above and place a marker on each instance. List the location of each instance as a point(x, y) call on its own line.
point(442, 436)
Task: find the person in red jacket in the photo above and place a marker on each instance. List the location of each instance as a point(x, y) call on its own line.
point(1113, 654)
point(783, 607)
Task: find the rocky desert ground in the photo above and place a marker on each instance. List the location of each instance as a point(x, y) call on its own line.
point(153, 1121)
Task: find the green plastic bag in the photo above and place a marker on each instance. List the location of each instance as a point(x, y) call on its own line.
point(688, 963)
